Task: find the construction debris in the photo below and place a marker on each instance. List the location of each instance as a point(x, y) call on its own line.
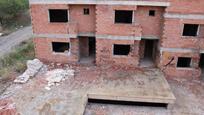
point(33, 67)
point(7, 107)
point(54, 77)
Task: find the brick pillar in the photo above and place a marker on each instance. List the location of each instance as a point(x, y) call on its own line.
point(84, 46)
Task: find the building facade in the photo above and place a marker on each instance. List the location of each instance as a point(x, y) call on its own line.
point(168, 34)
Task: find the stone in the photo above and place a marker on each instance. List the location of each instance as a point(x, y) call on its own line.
point(47, 88)
point(7, 107)
point(54, 77)
point(33, 67)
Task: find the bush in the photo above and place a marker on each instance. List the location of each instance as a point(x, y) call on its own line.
point(11, 8)
point(20, 67)
point(16, 61)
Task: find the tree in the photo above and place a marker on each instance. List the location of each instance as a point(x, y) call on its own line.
point(11, 8)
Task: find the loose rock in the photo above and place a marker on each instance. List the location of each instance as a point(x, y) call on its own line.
point(54, 77)
point(33, 67)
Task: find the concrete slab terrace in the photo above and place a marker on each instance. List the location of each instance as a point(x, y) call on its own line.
point(150, 87)
point(71, 96)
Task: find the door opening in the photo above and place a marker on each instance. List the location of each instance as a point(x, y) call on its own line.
point(148, 55)
point(87, 49)
point(201, 64)
point(92, 46)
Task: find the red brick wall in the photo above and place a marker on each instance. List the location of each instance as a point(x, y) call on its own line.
point(40, 20)
point(43, 50)
point(84, 46)
point(186, 6)
point(41, 24)
point(142, 48)
point(101, 21)
point(172, 37)
point(105, 21)
point(151, 25)
point(174, 71)
point(104, 53)
point(86, 23)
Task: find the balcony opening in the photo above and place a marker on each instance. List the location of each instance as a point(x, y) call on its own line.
point(119, 49)
point(151, 12)
point(58, 15)
point(190, 29)
point(87, 47)
point(184, 62)
point(123, 16)
point(60, 47)
point(148, 51)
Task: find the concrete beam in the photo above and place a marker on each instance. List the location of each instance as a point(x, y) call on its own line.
point(118, 37)
point(184, 16)
point(150, 38)
point(87, 34)
point(55, 35)
point(107, 2)
point(178, 50)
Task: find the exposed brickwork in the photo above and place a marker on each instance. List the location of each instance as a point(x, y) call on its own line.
point(43, 49)
point(186, 6)
point(151, 25)
point(84, 46)
point(100, 21)
point(173, 70)
point(172, 37)
point(104, 53)
point(142, 48)
point(40, 20)
point(105, 22)
point(86, 23)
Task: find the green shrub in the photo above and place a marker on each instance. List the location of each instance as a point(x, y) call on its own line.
point(11, 8)
point(16, 61)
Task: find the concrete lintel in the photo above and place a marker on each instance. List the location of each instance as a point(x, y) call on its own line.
point(150, 38)
point(178, 50)
point(87, 34)
point(108, 2)
point(55, 35)
point(118, 37)
point(202, 51)
point(184, 16)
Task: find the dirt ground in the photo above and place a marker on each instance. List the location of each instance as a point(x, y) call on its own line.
point(33, 99)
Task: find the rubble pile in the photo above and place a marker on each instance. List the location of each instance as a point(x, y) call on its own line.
point(54, 77)
point(7, 107)
point(33, 67)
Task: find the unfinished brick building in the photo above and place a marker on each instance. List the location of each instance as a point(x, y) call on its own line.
point(168, 34)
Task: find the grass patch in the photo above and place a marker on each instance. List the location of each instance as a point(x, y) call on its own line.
point(16, 61)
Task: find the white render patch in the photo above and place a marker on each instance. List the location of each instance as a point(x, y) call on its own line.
point(184, 16)
point(118, 37)
point(33, 67)
point(54, 77)
point(108, 2)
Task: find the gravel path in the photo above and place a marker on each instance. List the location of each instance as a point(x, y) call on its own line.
point(7, 43)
